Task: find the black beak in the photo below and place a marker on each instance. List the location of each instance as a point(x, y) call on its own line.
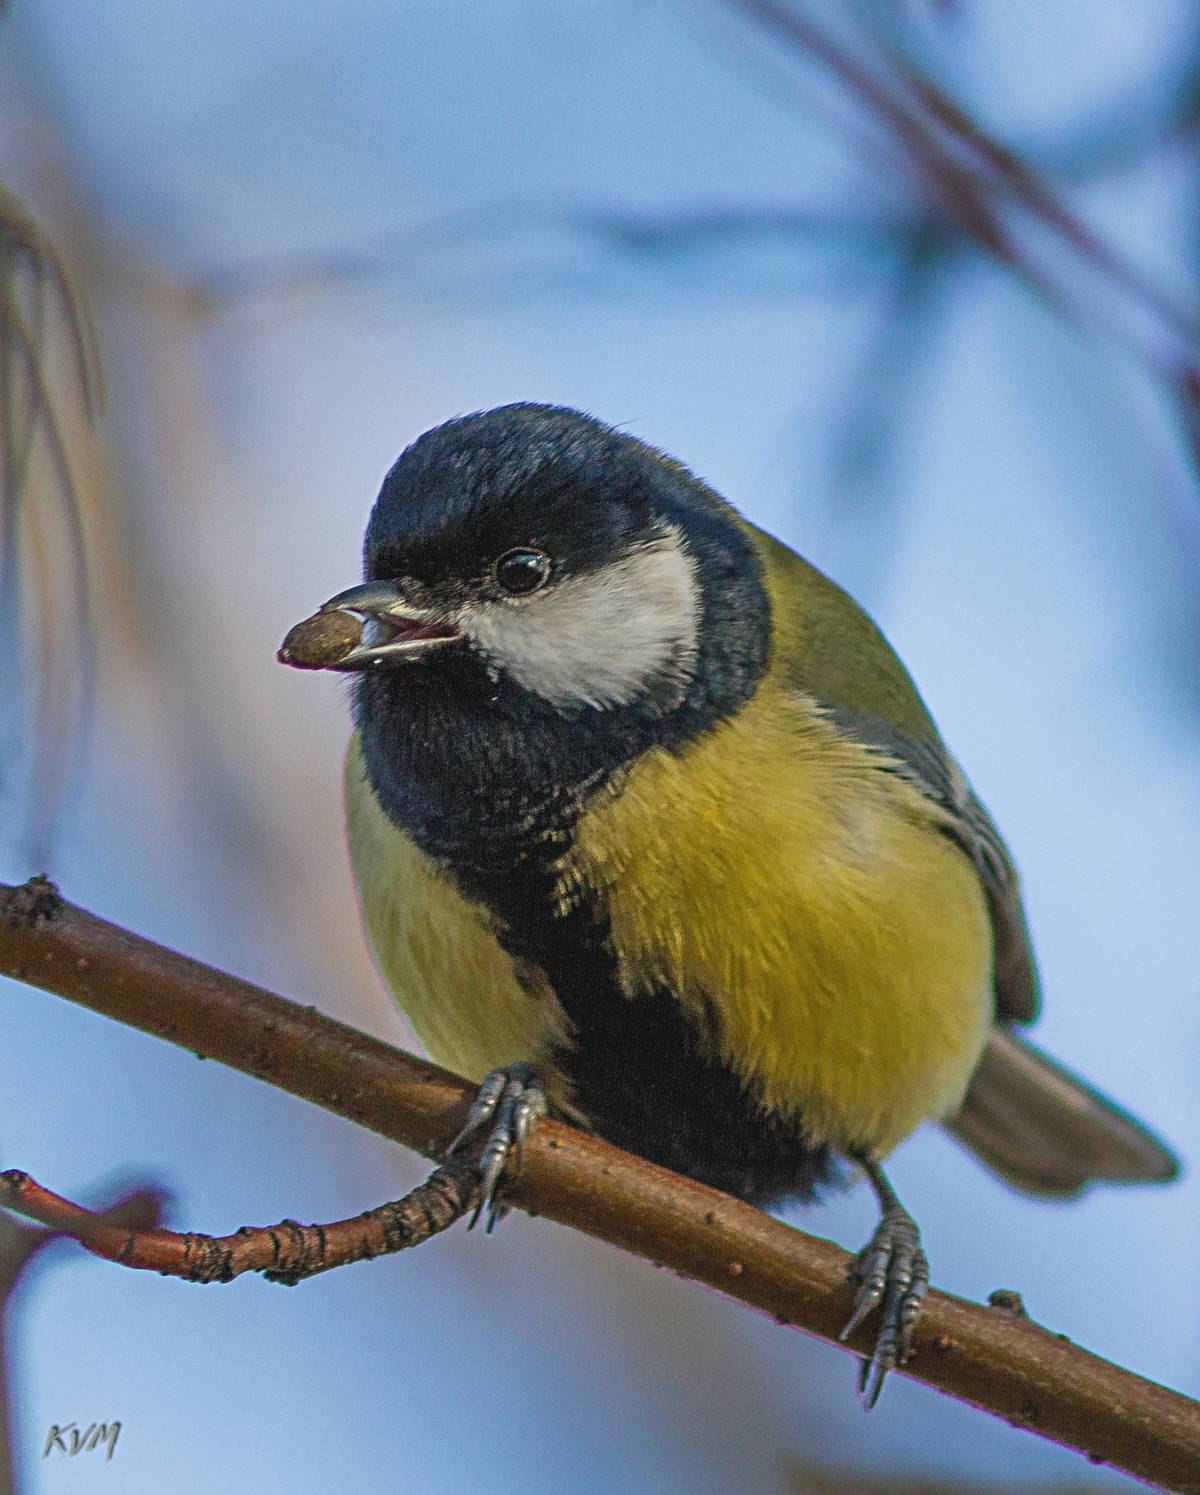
point(363, 628)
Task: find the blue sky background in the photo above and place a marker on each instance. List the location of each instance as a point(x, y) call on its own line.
point(1030, 546)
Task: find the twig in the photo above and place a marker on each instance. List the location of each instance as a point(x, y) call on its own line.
point(994, 1358)
point(288, 1252)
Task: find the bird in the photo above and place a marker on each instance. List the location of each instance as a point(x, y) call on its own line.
point(652, 831)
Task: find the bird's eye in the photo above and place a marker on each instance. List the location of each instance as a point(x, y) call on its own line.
point(522, 571)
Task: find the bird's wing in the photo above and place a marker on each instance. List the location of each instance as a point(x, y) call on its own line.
point(926, 763)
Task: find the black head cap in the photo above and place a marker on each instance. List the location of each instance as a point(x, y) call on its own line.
point(527, 474)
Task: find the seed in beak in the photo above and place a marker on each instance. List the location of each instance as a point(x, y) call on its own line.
point(321, 641)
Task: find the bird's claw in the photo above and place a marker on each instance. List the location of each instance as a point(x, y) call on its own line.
point(511, 1100)
point(891, 1271)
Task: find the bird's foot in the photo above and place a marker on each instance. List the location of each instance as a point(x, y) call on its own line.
point(891, 1271)
point(511, 1100)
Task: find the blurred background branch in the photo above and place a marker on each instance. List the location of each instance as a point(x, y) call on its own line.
point(948, 194)
point(46, 651)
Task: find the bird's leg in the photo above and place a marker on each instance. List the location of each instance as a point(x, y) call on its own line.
point(511, 1100)
point(891, 1270)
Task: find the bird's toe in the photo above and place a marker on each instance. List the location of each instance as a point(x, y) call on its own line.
point(511, 1100)
point(891, 1273)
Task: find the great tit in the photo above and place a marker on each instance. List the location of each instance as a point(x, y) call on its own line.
point(651, 827)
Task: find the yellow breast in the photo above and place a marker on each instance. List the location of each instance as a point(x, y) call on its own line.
point(471, 1005)
point(781, 884)
point(799, 900)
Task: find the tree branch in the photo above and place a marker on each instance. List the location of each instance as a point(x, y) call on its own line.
point(288, 1252)
point(994, 1358)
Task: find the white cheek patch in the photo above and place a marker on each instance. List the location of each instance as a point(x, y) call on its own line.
point(606, 638)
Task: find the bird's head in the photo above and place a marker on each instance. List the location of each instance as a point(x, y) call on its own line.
point(533, 553)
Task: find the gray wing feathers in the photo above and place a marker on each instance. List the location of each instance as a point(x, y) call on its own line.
point(1014, 970)
point(1046, 1131)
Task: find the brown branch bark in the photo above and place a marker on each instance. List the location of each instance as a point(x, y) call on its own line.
point(993, 1357)
point(287, 1252)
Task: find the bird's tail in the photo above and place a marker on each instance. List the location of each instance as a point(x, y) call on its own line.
point(1046, 1131)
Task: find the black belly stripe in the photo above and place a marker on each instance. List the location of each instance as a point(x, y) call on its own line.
point(647, 1081)
point(642, 1073)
